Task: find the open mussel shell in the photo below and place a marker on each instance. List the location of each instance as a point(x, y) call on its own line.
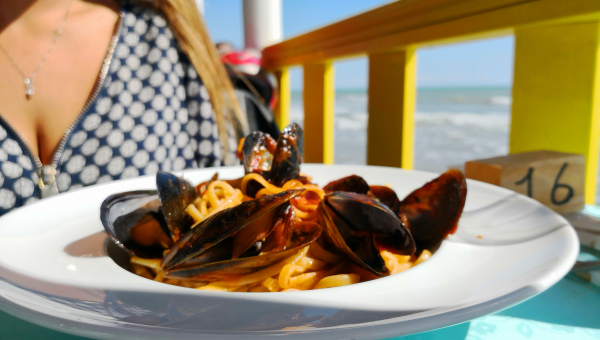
point(432, 211)
point(232, 269)
point(175, 194)
point(352, 183)
point(135, 222)
point(214, 230)
point(360, 227)
point(288, 155)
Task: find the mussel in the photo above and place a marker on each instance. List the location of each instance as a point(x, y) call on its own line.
point(212, 231)
point(281, 232)
point(386, 196)
point(146, 223)
point(258, 150)
point(288, 155)
point(360, 227)
point(431, 212)
point(299, 237)
point(278, 162)
point(175, 194)
point(352, 183)
point(136, 222)
point(252, 221)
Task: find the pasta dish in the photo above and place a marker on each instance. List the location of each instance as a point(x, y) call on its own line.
point(273, 230)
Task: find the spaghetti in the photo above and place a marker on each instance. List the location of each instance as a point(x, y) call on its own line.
point(312, 267)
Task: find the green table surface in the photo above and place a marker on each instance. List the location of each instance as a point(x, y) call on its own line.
point(568, 310)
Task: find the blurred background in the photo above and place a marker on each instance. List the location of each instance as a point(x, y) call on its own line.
point(463, 98)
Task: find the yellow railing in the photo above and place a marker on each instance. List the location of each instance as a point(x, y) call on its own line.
point(556, 86)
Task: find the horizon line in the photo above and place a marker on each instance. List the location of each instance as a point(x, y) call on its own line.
point(470, 87)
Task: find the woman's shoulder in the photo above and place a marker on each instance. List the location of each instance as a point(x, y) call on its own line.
point(146, 43)
point(147, 22)
point(135, 11)
point(144, 28)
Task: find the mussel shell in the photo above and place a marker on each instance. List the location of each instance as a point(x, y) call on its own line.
point(351, 183)
point(257, 230)
point(175, 194)
point(220, 252)
point(233, 269)
point(278, 238)
point(257, 158)
point(254, 249)
point(120, 213)
point(360, 227)
point(288, 155)
point(432, 211)
point(220, 226)
point(386, 196)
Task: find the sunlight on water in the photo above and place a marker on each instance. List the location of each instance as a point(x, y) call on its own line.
point(452, 126)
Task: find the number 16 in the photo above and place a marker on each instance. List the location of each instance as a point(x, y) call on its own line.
point(528, 178)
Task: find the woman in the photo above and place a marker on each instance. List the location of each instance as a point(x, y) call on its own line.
point(94, 91)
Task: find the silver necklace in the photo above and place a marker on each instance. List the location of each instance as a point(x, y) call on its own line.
point(29, 89)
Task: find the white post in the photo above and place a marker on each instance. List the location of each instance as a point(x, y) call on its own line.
point(262, 23)
point(200, 5)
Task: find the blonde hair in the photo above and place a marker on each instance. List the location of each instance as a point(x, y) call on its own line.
point(192, 35)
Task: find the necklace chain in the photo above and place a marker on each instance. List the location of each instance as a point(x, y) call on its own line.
point(28, 81)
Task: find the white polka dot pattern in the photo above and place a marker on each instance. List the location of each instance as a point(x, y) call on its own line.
point(63, 181)
point(7, 199)
point(90, 174)
point(90, 146)
point(23, 187)
point(31, 200)
point(25, 162)
point(11, 170)
point(75, 164)
point(11, 147)
point(152, 112)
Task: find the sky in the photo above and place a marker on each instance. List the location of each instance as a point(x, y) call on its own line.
point(476, 63)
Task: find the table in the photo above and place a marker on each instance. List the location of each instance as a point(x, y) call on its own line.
point(568, 310)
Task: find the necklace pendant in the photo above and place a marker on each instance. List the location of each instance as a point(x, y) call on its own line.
point(29, 90)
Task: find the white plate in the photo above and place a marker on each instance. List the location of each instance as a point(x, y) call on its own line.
point(54, 273)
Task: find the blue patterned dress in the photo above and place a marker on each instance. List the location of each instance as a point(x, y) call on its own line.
point(149, 111)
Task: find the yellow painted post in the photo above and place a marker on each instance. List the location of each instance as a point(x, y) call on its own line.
point(392, 92)
point(282, 109)
point(556, 93)
point(318, 113)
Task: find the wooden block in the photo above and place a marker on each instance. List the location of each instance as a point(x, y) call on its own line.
point(556, 179)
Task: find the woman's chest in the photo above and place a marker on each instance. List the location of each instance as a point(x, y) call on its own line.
point(59, 76)
point(121, 135)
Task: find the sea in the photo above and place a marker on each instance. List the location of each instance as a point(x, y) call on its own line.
point(452, 125)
